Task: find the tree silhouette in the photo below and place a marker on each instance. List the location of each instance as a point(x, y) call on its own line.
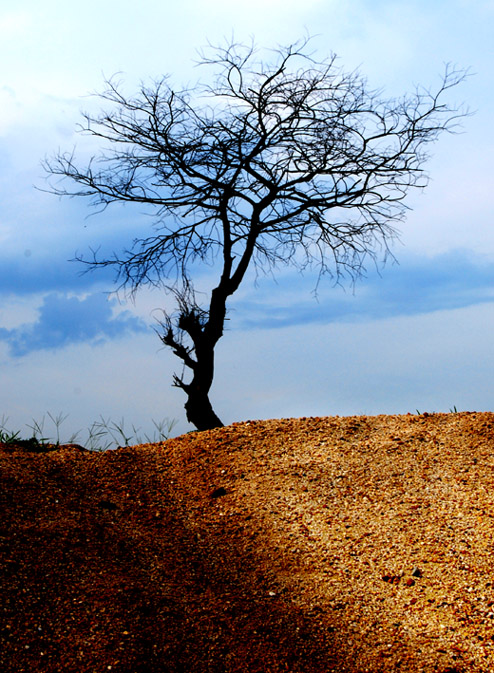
point(288, 160)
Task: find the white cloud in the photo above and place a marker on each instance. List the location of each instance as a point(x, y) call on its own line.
point(16, 310)
point(9, 108)
point(246, 7)
point(13, 24)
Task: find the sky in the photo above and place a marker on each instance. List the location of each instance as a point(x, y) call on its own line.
point(413, 334)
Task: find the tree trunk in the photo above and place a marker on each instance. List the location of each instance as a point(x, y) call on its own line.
point(200, 356)
point(198, 406)
point(200, 411)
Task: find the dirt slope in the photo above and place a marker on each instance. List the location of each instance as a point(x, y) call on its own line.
point(320, 544)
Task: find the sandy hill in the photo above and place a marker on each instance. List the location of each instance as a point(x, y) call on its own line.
point(318, 544)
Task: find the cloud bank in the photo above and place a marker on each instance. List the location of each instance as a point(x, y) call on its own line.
point(63, 321)
point(416, 286)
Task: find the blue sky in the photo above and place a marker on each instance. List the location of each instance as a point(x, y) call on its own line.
point(411, 334)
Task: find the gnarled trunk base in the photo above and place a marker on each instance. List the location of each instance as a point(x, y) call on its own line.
point(200, 412)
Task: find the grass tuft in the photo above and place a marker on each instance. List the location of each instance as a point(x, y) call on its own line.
point(102, 435)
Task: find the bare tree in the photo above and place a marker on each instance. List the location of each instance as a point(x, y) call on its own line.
point(285, 161)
